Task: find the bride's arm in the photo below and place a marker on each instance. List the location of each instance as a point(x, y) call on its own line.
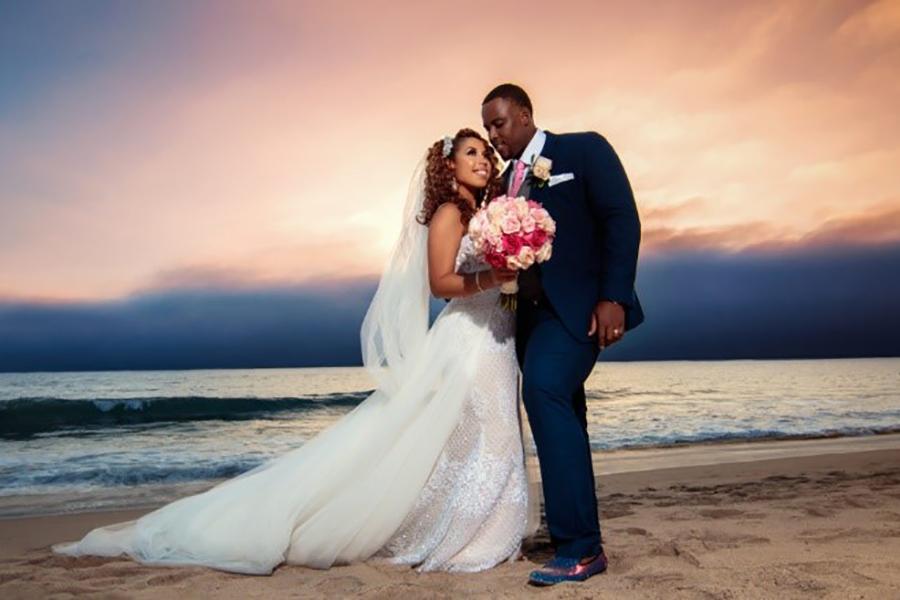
point(444, 234)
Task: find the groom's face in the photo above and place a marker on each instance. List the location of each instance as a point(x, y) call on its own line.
point(508, 126)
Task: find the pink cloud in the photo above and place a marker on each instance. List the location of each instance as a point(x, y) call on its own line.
point(878, 228)
point(280, 136)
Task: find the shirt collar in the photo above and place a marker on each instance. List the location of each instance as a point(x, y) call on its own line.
point(534, 147)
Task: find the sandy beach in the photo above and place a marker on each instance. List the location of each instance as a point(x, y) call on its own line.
point(799, 519)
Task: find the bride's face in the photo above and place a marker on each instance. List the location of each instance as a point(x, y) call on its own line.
point(471, 164)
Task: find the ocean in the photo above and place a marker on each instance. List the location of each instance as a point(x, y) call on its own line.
point(92, 440)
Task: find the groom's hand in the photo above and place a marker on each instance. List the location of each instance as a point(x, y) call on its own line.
point(608, 322)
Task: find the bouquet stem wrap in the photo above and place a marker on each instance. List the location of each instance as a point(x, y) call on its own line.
point(509, 295)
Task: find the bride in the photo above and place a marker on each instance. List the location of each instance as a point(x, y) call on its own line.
point(428, 470)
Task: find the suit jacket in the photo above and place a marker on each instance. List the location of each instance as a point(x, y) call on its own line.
point(598, 231)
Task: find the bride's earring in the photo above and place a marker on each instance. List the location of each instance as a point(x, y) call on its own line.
point(453, 185)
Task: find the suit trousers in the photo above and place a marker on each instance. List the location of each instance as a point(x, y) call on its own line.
point(554, 367)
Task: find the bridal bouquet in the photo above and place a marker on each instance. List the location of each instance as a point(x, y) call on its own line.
point(512, 233)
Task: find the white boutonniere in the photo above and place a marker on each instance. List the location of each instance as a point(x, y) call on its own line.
point(540, 169)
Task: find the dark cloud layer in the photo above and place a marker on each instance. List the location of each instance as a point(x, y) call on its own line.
point(188, 329)
point(813, 303)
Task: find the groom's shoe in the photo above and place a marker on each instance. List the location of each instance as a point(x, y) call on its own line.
point(568, 569)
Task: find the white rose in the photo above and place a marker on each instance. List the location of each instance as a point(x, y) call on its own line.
point(541, 168)
point(526, 257)
point(544, 252)
point(548, 225)
point(521, 207)
point(493, 234)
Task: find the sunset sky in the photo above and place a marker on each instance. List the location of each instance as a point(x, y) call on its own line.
point(155, 147)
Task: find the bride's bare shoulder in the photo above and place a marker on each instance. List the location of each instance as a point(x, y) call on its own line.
point(447, 218)
point(448, 208)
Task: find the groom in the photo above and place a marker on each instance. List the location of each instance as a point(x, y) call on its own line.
point(569, 309)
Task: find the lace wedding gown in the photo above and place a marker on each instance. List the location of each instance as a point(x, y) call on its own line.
point(473, 511)
point(427, 471)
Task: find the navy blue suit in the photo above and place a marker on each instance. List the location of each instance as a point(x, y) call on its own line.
point(594, 258)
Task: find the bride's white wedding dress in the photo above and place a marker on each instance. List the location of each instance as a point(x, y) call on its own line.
point(473, 511)
point(427, 471)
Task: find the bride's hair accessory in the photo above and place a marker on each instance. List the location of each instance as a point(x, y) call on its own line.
point(448, 146)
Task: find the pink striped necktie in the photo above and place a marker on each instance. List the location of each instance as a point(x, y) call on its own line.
point(518, 178)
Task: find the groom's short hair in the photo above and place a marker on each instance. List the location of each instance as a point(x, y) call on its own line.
point(511, 92)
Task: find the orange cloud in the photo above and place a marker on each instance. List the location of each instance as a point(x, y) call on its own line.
point(868, 230)
point(263, 145)
point(875, 229)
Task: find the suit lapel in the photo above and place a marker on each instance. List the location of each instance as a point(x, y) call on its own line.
point(539, 194)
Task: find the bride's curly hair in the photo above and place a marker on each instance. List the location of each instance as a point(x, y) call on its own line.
point(439, 179)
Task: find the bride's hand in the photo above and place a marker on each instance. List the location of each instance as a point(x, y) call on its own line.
point(501, 276)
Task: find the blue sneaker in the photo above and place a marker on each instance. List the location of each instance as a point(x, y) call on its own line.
point(567, 569)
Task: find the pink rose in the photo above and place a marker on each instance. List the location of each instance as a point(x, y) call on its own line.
point(496, 260)
point(528, 223)
point(540, 214)
point(511, 244)
point(510, 224)
point(536, 238)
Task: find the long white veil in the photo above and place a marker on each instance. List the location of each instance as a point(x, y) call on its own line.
point(396, 322)
point(339, 497)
